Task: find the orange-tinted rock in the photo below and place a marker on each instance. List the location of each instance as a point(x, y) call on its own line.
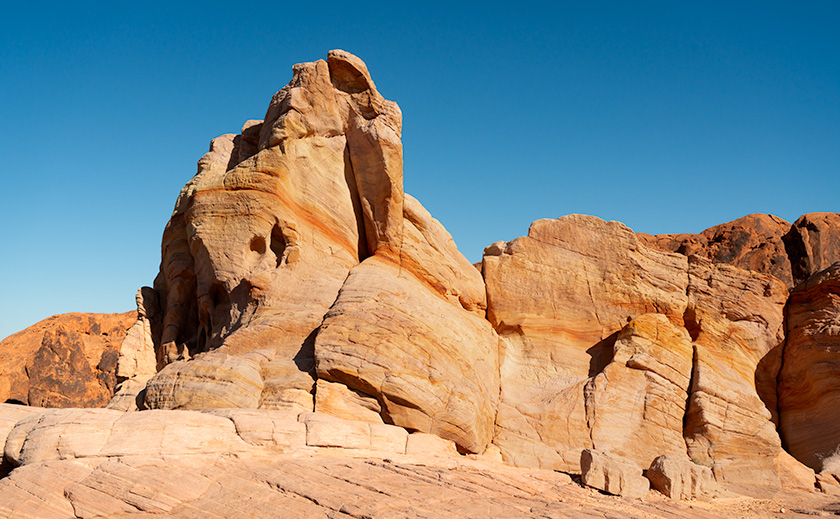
point(67, 360)
point(735, 317)
point(559, 298)
point(431, 364)
point(753, 242)
point(814, 244)
point(809, 382)
point(262, 239)
point(575, 374)
point(280, 250)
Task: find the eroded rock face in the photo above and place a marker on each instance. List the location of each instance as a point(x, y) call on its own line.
point(736, 319)
point(67, 360)
point(558, 298)
point(575, 374)
point(297, 276)
point(809, 382)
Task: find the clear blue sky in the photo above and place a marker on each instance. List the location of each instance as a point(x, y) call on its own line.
point(667, 116)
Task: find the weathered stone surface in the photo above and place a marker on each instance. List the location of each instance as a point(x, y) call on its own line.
point(558, 298)
point(635, 406)
point(411, 335)
point(256, 251)
point(735, 317)
point(213, 379)
point(89, 433)
point(753, 242)
point(813, 243)
point(338, 400)
point(809, 382)
point(278, 220)
point(278, 430)
point(423, 444)
point(10, 415)
point(829, 483)
point(571, 379)
point(681, 479)
point(225, 486)
point(72, 358)
point(297, 276)
point(328, 431)
point(612, 474)
point(431, 364)
point(137, 362)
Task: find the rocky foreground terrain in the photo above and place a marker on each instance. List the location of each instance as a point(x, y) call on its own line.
point(316, 345)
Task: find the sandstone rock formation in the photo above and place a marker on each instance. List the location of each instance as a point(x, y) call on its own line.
point(575, 374)
point(680, 479)
point(753, 242)
point(814, 244)
point(809, 382)
point(253, 462)
point(293, 256)
point(307, 307)
point(63, 361)
point(612, 475)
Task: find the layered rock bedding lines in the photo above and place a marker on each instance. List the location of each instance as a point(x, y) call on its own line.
point(306, 303)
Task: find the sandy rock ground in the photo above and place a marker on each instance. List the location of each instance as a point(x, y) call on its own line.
point(335, 483)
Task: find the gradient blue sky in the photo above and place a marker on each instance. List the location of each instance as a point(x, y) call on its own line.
point(667, 116)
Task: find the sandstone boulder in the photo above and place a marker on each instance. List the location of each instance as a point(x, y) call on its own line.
point(681, 479)
point(97, 433)
point(809, 382)
point(63, 361)
point(612, 474)
point(297, 275)
point(637, 403)
point(430, 364)
point(829, 483)
point(735, 317)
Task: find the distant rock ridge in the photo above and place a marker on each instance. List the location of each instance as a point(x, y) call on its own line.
point(764, 243)
point(297, 277)
point(67, 360)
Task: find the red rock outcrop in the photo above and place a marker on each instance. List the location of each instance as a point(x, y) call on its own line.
point(809, 381)
point(66, 360)
point(813, 243)
point(763, 243)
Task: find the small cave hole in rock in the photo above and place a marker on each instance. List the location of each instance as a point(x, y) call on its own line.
point(691, 323)
point(278, 243)
point(258, 244)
